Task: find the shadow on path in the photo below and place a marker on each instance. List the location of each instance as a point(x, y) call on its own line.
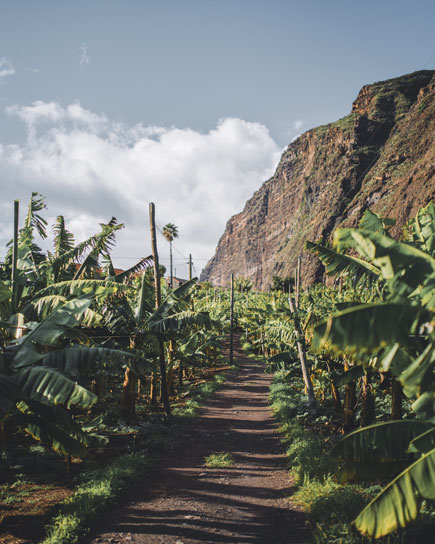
point(188, 503)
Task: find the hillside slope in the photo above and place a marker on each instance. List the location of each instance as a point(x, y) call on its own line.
point(381, 156)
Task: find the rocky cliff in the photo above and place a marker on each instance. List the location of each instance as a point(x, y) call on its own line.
point(381, 156)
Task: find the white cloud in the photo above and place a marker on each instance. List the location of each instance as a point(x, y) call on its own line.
point(295, 130)
point(6, 67)
point(297, 125)
point(38, 111)
point(91, 168)
point(84, 56)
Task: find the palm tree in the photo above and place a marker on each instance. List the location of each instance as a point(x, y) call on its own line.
point(170, 231)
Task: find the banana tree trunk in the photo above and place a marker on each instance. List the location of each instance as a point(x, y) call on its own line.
point(396, 400)
point(302, 358)
point(368, 403)
point(336, 396)
point(349, 404)
point(128, 397)
point(170, 373)
point(153, 389)
point(180, 376)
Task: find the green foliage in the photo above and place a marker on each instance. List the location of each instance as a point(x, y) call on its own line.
point(219, 460)
point(399, 503)
point(393, 334)
point(337, 263)
point(386, 440)
point(93, 496)
point(282, 284)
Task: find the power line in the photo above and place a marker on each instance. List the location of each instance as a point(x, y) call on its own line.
point(160, 258)
point(429, 59)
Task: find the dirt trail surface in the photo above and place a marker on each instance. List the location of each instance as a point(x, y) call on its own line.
point(187, 502)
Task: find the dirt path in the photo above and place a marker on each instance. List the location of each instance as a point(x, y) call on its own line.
point(189, 503)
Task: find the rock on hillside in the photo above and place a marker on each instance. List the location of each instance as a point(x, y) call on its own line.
point(381, 156)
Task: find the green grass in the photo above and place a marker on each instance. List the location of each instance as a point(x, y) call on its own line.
point(219, 460)
point(93, 496)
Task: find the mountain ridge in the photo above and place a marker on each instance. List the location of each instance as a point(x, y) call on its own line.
point(380, 156)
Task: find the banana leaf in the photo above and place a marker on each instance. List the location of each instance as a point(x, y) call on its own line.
point(8, 393)
point(48, 332)
point(423, 228)
point(50, 387)
point(424, 406)
point(81, 287)
point(424, 442)
point(337, 263)
point(56, 428)
point(374, 222)
point(419, 377)
point(381, 441)
point(79, 360)
point(397, 261)
point(175, 321)
point(399, 502)
point(355, 471)
point(367, 328)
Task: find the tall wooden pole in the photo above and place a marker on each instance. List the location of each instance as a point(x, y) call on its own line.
point(232, 320)
point(15, 255)
point(190, 266)
point(165, 396)
point(302, 357)
point(170, 259)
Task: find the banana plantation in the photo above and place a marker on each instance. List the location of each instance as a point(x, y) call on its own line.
point(93, 363)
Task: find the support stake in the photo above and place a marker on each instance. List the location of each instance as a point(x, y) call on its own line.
point(232, 320)
point(162, 361)
point(15, 255)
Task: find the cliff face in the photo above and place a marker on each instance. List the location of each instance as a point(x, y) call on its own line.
point(381, 156)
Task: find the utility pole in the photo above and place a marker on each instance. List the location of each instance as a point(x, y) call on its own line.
point(232, 321)
point(162, 361)
point(190, 266)
point(15, 255)
point(170, 259)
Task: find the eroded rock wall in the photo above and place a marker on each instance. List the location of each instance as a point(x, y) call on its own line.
point(381, 156)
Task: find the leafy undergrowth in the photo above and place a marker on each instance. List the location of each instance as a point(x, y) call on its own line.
point(330, 506)
point(98, 490)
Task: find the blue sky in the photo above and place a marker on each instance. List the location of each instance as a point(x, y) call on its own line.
point(106, 105)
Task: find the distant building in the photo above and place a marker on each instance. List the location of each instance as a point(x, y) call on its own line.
point(176, 282)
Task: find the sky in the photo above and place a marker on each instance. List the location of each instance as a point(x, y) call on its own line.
point(107, 105)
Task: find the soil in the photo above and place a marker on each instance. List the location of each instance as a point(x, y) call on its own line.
point(185, 502)
point(23, 520)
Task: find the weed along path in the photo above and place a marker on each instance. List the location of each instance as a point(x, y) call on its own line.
point(189, 502)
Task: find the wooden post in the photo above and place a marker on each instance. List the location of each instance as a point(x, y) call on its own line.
point(15, 255)
point(232, 320)
point(190, 266)
point(302, 357)
point(158, 295)
point(170, 259)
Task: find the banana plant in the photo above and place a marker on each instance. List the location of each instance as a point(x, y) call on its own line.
point(43, 326)
point(39, 375)
point(395, 334)
point(175, 320)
